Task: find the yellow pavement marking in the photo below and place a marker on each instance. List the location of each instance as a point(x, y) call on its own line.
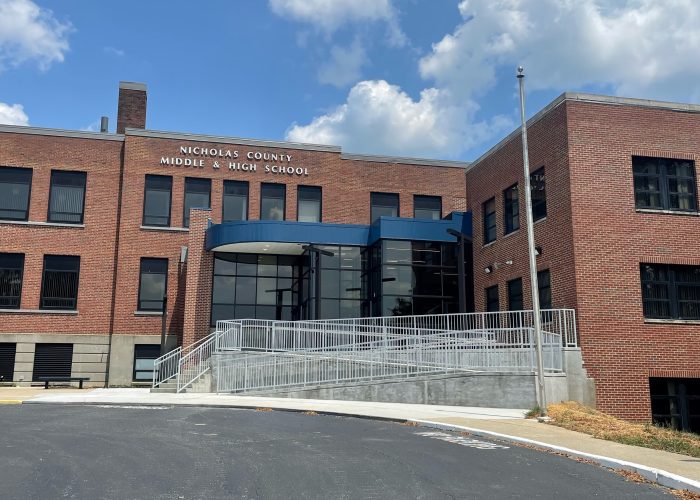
point(10, 401)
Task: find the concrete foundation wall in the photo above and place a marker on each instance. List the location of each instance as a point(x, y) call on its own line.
point(90, 353)
point(121, 366)
point(484, 389)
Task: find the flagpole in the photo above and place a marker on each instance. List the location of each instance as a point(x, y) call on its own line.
point(541, 397)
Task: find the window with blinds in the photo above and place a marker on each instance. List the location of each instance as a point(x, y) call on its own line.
point(67, 197)
point(15, 185)
point(11, 271)
point(59, 287)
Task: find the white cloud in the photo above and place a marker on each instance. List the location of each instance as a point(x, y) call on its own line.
point(380, 118)
point(640, 48)
point(13, 114)
point(114, 51)
point(30, 33)
point(345, 66)
point(330, 15)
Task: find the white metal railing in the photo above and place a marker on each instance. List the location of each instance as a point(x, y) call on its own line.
point(167, 367)
point(509, 350)
point(314, 334)
point(507, 332)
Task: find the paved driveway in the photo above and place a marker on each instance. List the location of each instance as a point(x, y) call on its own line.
point(55, 451)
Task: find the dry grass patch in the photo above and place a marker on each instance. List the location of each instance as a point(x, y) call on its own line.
point(576, 417)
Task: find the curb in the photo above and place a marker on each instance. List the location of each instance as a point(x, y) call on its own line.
point(221, 406)
point(659, 476)
point(10, 401)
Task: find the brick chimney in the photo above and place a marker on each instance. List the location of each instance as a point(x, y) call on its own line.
point(131, 110)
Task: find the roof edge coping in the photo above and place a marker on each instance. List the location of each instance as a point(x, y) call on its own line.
point(232, 140)
point(405, 160)
point(57, 132)
point(588, 98)
point(133, 86)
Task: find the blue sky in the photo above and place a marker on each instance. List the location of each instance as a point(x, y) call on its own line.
point(432, 78)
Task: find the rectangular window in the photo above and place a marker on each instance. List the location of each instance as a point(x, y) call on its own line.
point(235, 205)
point(664, 184)
point(675, 403)
point(59, 288)
point(539, 194)
point(8, 350)
point(156, 200)
point(427, 207)
point(309, 204)
point(511, 209)
point(152, 284)
point(52, 360)
point(492, 303)
point(197, 195)
point(11, 271)
point(272, 201)
point(383, 205)
point(515, 295)
point(670, 292)
point(544, 288)
point(489, 211)
point(144, 356)
point(15, 186)
point(67, 197)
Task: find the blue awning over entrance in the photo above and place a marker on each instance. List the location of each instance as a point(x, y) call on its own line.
point(287, 237)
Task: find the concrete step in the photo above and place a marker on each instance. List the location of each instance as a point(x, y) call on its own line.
point(166, 387)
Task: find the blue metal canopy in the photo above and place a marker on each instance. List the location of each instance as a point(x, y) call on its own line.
point(228, 235)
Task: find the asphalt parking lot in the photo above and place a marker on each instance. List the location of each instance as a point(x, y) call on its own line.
point(120, 452)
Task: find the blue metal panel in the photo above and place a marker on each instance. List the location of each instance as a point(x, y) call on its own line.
point(395, 228)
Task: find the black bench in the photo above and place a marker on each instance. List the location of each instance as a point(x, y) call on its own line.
point(46, 380)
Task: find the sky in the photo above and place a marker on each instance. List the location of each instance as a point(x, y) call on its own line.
point(419, 78)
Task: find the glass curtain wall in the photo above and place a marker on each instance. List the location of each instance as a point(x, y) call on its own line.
point(413, 277)
point(253, 286)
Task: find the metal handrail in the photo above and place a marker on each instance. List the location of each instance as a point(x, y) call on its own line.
point(355, 334)
point(447, 352)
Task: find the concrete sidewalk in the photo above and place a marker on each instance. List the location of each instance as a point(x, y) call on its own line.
point(670, 469)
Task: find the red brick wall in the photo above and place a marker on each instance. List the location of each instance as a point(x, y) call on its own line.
point(594, 240)
point(621, 350)
point(490, 177)
point(131, 111)
point(94, 243)
point(197, 308)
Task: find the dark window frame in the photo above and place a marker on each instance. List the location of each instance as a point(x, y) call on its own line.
point(490, 226)
point(543, 286)
point(375, 195)
point(672, 291)
point(664, 180)
point(275, 185)
point(539, 206)
point(230, 182)
point(511, 209)
point(42, 297)
point(152, 347)
point(165, 291)
point(29, 191)
point(308, 188)
point(425, 197)
point(488, 300)
point(170, 200)
point(194, 181)
point(76, 173)
point(512, 296)
point(18, 296)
